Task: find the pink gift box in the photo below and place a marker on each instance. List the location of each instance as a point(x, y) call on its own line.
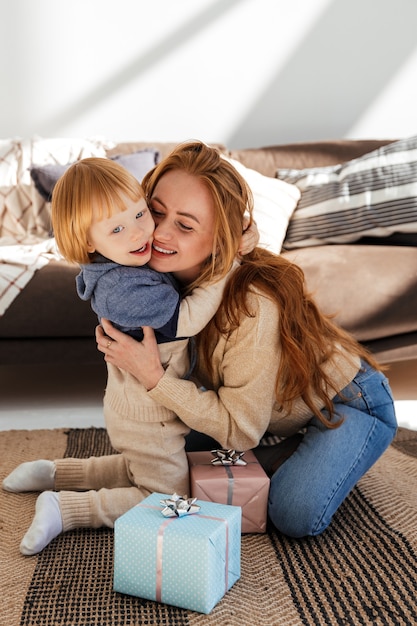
point(246, 486)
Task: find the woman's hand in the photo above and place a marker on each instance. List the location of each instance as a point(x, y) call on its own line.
point(139, 358)
point(250, 238)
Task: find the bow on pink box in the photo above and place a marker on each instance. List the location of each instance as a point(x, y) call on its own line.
point(177, 506)
point(227, 457)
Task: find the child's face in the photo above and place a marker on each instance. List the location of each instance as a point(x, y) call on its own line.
point(126, 236)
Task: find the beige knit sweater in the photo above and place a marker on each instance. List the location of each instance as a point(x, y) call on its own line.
point(238, 406)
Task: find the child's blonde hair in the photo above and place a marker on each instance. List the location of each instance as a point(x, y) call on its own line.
point(94, 182)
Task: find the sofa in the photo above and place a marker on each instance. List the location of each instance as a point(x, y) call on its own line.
point(366, 279)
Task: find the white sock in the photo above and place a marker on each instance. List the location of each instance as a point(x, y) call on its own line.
point(31, 476)
point(46, 525)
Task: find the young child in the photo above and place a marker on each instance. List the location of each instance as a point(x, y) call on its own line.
point(102, 222)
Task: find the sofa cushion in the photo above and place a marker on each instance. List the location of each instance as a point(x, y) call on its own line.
point(374, 195)
point(137, 163)
point(371, 290)
point(49, 307)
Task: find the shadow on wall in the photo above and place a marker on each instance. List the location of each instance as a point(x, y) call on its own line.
point(135, 68)
point(337, 71)
point(367, 39)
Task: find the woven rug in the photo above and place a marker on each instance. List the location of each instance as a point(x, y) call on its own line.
point(361, 571)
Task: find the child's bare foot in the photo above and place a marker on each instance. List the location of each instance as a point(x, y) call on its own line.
point(46, 525)
point(31, 476)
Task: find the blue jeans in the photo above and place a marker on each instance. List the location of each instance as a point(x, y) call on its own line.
point(310, 486)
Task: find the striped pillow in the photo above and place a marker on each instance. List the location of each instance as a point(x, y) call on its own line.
point(374, 195)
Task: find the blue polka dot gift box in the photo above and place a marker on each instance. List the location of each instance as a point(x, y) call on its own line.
point(177, 551)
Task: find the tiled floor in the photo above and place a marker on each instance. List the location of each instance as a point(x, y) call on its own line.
point(47, 397)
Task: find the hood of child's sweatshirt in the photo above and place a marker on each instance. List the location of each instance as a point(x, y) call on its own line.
point(90, 274)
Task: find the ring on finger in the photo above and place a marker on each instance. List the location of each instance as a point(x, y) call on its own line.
point(109, 344)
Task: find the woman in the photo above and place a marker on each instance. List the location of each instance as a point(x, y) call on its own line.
point(269, 361)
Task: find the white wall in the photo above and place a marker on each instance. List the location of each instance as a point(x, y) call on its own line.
point(242, 72)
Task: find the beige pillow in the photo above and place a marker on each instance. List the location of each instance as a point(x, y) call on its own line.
point(274, 203)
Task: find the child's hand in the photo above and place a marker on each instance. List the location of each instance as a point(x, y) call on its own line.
point(250, 238)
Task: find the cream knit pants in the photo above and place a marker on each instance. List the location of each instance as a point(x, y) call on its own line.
point(94, 492)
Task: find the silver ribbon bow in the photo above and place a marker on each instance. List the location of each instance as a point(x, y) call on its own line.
point(227, 457)
point(177, 506)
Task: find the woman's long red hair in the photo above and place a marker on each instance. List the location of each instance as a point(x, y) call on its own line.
point(307, 337)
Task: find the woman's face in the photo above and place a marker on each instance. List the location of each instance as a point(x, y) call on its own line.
point(183, 211)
